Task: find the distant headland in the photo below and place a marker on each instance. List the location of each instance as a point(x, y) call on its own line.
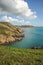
point(27, 26)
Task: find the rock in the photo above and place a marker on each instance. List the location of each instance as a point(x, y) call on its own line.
point(10, 33)
point(2, 39)
point(10, 39)
point(18, 39)
point(5, 40)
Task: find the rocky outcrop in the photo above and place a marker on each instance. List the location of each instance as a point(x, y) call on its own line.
point(10, 33)
point(5, 40)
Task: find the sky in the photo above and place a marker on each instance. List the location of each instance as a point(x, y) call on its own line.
point(22, 12)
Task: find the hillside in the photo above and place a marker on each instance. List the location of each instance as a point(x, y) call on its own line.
point(9, 33)
point(15, 56)
point(27, 26)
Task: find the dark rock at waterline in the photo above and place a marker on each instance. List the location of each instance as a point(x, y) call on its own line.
point(37, 47)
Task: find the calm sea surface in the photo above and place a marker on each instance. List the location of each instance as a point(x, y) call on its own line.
point(33, 38)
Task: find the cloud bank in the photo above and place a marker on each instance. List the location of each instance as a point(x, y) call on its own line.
point(16, 7)
point(10, 19)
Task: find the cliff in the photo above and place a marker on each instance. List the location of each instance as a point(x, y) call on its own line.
point(10, 33)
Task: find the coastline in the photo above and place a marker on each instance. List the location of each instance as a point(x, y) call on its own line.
point(10, 39)
point(10, 33)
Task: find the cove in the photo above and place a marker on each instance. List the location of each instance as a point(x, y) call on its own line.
point(33, 37)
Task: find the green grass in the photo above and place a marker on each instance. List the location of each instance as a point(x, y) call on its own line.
point(16, 56)
point(8, 29)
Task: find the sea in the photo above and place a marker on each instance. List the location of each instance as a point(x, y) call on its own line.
point(33, 37)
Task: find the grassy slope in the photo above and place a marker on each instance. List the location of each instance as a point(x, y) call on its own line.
point(9, 33)
point(15, 56)
point(7, 27)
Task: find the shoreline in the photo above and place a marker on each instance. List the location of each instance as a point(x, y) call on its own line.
point(11, 39)
point(10, 33)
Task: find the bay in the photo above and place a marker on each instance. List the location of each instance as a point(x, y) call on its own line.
point(33, 37)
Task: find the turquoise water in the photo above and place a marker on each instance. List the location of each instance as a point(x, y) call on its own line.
point(33, 38)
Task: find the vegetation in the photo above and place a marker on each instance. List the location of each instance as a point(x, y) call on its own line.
point(8, 28)
point(27, 26)
point(9, 33)
point(16, 56)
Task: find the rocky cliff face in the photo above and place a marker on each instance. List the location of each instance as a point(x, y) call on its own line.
point(10, 33)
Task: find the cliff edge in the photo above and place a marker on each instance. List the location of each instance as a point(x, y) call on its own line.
point(10, 33)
